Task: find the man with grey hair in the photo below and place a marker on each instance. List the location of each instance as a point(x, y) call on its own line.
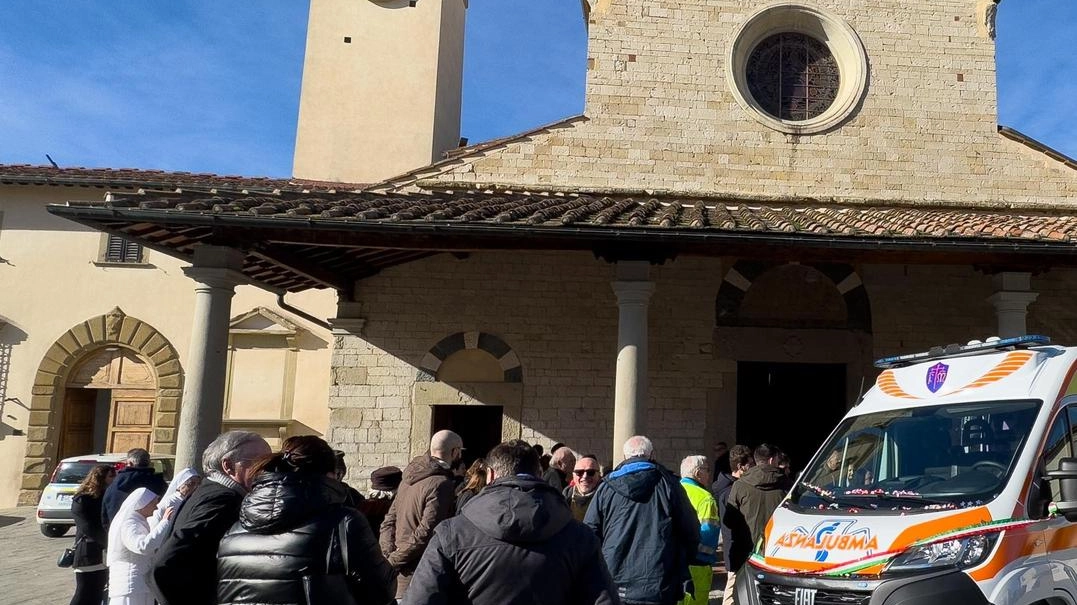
point(647, 527)
point(695, 476)
point(561, 464)
point(136, 473)
point(425, 498)
point(185, 568)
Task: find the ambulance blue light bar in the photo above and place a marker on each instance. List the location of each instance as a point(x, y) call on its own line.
point(1018, 342)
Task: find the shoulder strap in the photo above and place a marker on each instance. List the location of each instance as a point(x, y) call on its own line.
point(342, 541)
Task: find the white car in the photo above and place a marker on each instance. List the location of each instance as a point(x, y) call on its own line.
point(54, 509)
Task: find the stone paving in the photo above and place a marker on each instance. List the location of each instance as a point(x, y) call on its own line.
point(28, 572)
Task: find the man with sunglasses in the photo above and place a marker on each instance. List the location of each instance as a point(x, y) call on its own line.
point(586, 480)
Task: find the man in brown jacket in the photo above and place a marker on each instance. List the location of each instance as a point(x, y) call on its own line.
point(751, 501)
point(425, 498)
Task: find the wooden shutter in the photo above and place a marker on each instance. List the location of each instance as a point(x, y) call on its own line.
point(119, 250)
point(132, 252)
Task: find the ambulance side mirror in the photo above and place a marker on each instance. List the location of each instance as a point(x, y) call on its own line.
point(1066, 475)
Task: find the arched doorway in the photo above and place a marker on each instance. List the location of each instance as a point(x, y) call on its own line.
point(108, 404)
point(111, 371)
point(471, 383)
point(796, 342)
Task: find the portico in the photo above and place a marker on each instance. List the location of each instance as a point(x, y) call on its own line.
point(605, 308)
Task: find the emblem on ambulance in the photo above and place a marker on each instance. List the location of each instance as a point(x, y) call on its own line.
point(936, 376)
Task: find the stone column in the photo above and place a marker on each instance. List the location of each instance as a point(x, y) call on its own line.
point(1013, 294)
point(633, 289)
point(216, 270)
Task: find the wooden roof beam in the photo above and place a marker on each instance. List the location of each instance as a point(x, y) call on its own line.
point(301, 267)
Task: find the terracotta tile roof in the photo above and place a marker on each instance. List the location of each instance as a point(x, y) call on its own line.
point(297, 241)
point(131, 178)
point(542, 210)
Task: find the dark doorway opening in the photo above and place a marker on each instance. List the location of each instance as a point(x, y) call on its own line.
point(794, 406)
point(478, 425)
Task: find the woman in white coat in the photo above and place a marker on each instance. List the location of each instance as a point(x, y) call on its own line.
point(131, 544)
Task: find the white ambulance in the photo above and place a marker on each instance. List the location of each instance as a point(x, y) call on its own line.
point(954, 481)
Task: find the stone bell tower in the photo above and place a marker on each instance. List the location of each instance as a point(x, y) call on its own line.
point(381, 90)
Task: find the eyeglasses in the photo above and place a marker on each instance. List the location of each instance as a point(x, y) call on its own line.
point(589, 472)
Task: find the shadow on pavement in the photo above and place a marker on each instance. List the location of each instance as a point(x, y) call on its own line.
point(6, 520)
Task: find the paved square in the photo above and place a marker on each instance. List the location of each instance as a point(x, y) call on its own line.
point(28, 572)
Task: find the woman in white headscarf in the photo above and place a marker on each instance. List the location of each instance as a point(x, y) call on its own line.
point(182, 485)
point(131, 544)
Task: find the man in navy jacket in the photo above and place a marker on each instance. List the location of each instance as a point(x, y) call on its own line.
point(138, 473)
point(647, 526)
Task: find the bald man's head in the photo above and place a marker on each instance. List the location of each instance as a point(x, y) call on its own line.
point(446, 445)
point(563, 459)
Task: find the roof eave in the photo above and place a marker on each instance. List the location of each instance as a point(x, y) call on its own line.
point(568, 237)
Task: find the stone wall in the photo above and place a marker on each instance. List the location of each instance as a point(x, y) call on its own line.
point(662, 115)
point(558, 313)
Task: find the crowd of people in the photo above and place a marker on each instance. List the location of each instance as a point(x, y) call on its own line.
point(254, 526)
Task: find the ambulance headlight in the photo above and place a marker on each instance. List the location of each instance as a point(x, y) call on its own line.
point(961, 553)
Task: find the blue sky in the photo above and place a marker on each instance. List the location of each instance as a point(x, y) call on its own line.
point(212, 86)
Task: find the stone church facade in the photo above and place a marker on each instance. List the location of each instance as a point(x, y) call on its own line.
point(709, 253)
point(663, 117)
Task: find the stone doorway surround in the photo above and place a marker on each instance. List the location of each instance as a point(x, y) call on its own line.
point(425, 395)
point(837, 330)
point(114, 328)
point(494, 378)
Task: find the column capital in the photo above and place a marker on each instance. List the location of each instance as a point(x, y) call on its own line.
point(217, 266)
point(216, 277)
point(633, 292)
point(1008, 300)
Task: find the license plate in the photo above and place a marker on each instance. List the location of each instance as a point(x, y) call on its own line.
point(64, 498)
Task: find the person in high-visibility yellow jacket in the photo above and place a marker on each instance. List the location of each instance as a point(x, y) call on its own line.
point(695, 476)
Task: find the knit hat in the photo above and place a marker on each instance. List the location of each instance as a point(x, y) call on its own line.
point(386, 478)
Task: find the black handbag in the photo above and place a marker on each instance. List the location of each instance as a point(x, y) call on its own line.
point(67, 558)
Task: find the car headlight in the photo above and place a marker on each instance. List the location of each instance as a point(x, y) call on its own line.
point(958, 552)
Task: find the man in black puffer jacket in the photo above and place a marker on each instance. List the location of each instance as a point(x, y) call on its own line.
point(296, 543)
point(515, 542)
point(648, 528)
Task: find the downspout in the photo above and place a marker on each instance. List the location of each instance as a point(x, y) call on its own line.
point(299, 312)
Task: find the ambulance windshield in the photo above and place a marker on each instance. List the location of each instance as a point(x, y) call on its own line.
point(938, 457)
